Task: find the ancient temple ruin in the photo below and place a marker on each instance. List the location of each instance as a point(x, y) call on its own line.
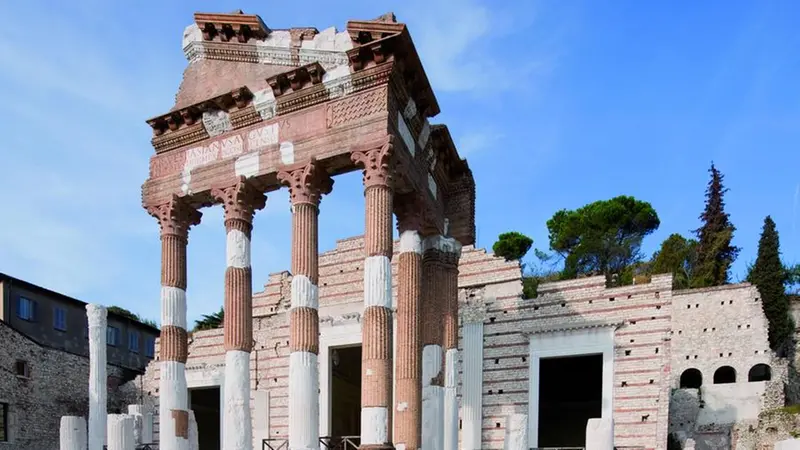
point(259, 109)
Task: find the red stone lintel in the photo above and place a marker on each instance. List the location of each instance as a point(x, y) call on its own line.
point(376, 45)
point(173, 120)
point(226, 26)
point(296, 79)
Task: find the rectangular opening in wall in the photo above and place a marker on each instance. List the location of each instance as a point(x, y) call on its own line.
point(570, 393)
point(345, 389)
point(205, 404)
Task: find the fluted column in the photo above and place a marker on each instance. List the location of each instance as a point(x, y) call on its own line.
point(240, 202)
point(376, 359)
point(408, 389)
point(432, 340)
point(175, 218)
point(72, 433)
point(307, 183)
point(450, 253)
point(98, 384)
point(472, 385)
point(120, 432)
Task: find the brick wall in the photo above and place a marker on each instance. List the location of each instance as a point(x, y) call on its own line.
point(58, 385)
point(655, 332)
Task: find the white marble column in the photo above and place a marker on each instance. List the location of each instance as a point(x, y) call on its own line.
point(98, 384)
point(72, 434)
point(120, 432)
point(472, 384)
point(194, 437)
point(143, 423)
point(600, 434)
point(516, 432)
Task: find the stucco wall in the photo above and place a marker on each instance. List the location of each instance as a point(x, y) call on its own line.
point(57, 386)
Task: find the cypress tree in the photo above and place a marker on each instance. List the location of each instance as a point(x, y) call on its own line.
point(769, 276)
point(715, 254)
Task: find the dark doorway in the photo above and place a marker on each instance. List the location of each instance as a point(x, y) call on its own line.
point(345, 364)
point(570, 393)
point(205, 404)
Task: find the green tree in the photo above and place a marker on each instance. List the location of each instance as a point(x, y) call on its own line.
point(131, 315)
point(512, 245)
point(770, 277)
point(678, 256)
point(715, 254)
point(210, 321)
point(603, 237)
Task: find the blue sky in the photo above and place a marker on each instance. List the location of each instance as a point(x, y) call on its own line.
point(555, 104)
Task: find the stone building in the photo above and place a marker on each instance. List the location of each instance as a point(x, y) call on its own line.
point(39, 384)
point(44, 365)
point(58, 321)
point(579, 350)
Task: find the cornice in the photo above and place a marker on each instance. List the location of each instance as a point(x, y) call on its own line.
point(224, 27)
point(172, 121)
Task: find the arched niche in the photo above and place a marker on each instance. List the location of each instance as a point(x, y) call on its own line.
point(691, 379)
point(725, 375)
point(760, 372)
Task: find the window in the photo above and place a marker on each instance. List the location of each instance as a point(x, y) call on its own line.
point(26, 309)
point(133, 341)
point(59, 318)
point(691, 379)
point(112, 336)
point(22, 369)
point(725, 375)
point(3, 422)
point(149, 346)
point(759, 372)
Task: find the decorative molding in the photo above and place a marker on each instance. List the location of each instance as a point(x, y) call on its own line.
point(340, 320)
point(226, 26)
point(174, 120)
point(307, 182)
point(296, 79)
point(377, 164)
point(353, 108)
point(184, 136)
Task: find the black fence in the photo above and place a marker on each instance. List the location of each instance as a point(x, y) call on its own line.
point(325, 443)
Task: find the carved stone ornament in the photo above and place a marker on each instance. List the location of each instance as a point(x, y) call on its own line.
point(175, 217)
point(307, 183)
point(241, 200)
point(377, 163)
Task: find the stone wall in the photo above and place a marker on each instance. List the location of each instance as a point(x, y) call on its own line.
point(58, 385)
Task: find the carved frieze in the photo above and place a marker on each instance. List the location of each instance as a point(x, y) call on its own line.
point(352, 108)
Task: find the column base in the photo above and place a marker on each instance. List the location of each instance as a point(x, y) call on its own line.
point(376, 447)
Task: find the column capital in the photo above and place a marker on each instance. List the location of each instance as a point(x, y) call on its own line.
point(377, 164)
point(175, 217)
point(307, 182)
point(448, 247)
point(240, 200)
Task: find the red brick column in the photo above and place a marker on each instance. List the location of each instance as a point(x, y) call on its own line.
point(376, 384)
point(175, 218)
point(307, 183)
point(432, 340)
point(240, 202)
point(408, 389)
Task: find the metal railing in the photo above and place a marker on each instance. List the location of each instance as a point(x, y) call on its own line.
point(340, 442)
point(326, 442)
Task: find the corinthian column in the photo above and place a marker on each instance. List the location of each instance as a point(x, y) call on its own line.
point(175, 218)
point(432, 337)
point(98, 385)
point(240, 202)
point(376, 356)
point(307, 183)
point(450, 252)
point(408, 390)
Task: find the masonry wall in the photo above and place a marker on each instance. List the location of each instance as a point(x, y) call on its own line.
point(719, 327)
point(641, 349)
point(58, 385)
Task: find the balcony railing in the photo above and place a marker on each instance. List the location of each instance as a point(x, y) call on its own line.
point(325, 442)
